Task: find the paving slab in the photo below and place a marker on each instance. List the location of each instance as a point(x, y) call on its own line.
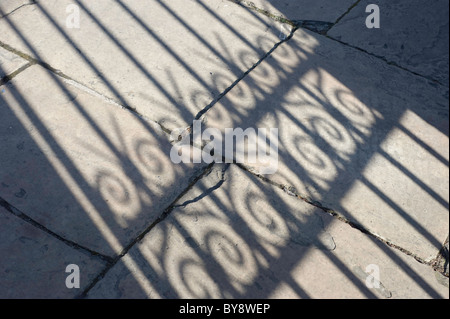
point(8, 6)
point(412, 34)
point(234, 236)
point(9, 62)
point(322, 10)
point(167, 59)
point(84, 168)
point(364, 138)
point(33, 263)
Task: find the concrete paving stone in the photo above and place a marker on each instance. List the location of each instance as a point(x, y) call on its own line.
point(413, 34)
point(33, 263)
point(8, 6)
point(87, 170)
point(322, 10)
point(234, 236)
point(168, 59)
point(9, 62)
point(363, 138)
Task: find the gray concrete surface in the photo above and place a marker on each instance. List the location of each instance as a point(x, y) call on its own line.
point(86, 177)
point(248, 239)
point(33, 262)
point(411, 35)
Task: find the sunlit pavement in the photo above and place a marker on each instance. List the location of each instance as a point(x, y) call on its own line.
point(93, 92)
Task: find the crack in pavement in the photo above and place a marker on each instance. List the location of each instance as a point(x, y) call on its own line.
point(10, 76)
point(34, 61)
point(228, 89)
point(344, 14)
point(16, 212)
point(3, 15)
point(208, 191)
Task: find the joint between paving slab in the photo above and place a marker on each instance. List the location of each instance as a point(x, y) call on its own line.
point(16, 212)
point(344, 14)
point(291, 191)
point(196, 177)
point(228, 89)
point(11, 76)
point(33, 61)
point(32, 2)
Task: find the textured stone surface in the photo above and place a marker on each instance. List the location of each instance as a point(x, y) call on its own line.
point(168, 59)
point(33, 263)
point(85, 169)
point(413, 34)
point(233, 236)
point(364, 138)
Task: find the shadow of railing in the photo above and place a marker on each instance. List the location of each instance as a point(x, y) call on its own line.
point(328, 136)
